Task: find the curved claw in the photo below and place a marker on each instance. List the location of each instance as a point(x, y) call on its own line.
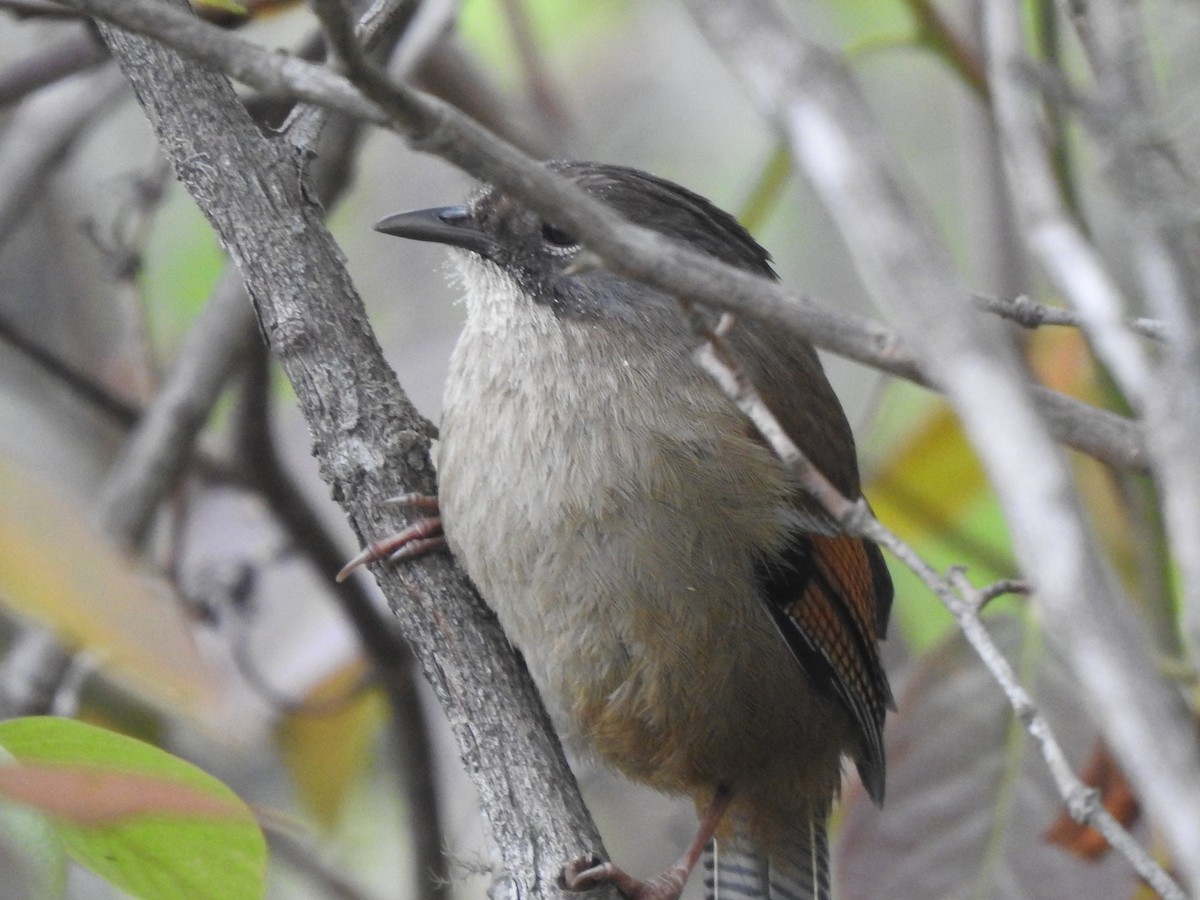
point(422, 536)
point(590, 871)
point(414, 500)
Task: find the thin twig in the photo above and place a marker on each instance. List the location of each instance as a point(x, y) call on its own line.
point(78, 382)
point(541, 87)
point(1029, 314)
point(307, 859)
point(806, 92)
point(1070, 261)
point(957, 595)
point(937, 33)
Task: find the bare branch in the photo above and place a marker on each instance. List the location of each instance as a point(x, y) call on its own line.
point(811, 99)
point(957, 594)
point(42, 131)
point(307, 859)
point(371, 445)
point(1158, 193)
point(162, 443)
point(626, 248)
point(79, 383)
point(900, 261)
point(1030, 314)
point(1065, 254)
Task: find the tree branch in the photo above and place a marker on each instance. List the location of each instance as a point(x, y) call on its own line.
point(808, 95)
point(957, 594)
point(434, 127)
point(371, 444)
point(1067, 257)
point(1028, 314)
point(1157, 192)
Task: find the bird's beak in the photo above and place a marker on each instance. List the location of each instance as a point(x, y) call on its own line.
point(451, 225)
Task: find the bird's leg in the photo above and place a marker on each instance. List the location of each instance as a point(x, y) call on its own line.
point(421, 537)
point(589, 871)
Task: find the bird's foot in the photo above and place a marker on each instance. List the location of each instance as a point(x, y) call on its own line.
point(421, 537)
point(590, 871)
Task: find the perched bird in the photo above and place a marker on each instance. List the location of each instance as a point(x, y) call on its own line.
point(686, 611)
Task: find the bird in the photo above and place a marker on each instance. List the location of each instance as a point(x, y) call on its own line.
point(688, 613)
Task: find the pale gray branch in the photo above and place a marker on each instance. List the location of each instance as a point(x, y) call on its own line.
point(1071, 262)
point(163, 440)
point(806, 92)
point(1158, 192)
point(41, 132)
point(809, 96)
point(1030, 314)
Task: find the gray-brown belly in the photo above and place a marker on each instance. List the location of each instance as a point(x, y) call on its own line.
point(623, 570)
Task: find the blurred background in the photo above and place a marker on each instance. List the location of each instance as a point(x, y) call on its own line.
point(223, 643)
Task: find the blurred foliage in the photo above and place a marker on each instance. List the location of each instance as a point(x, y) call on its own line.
point(182, 264)
point(327, 745)
point(95, 598)
point(560, 29)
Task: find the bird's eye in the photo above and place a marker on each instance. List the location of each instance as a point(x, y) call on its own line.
point(556, 237)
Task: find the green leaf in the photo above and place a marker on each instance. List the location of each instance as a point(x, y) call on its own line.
point(210, 848)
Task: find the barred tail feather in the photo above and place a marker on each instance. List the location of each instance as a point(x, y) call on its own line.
point(735, 870)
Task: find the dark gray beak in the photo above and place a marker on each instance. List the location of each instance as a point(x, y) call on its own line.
point(443, 225)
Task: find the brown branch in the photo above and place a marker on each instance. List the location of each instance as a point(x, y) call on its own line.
point(936, 32)
point(434, 127)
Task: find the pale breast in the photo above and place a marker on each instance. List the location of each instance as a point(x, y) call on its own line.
point(616, 542)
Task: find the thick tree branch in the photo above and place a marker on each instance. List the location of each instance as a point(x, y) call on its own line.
point(833, 138)
point(370, 443)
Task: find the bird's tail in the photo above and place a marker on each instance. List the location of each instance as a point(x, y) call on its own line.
point(797, 869)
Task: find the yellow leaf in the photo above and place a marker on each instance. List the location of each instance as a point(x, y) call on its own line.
point(326, 752)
